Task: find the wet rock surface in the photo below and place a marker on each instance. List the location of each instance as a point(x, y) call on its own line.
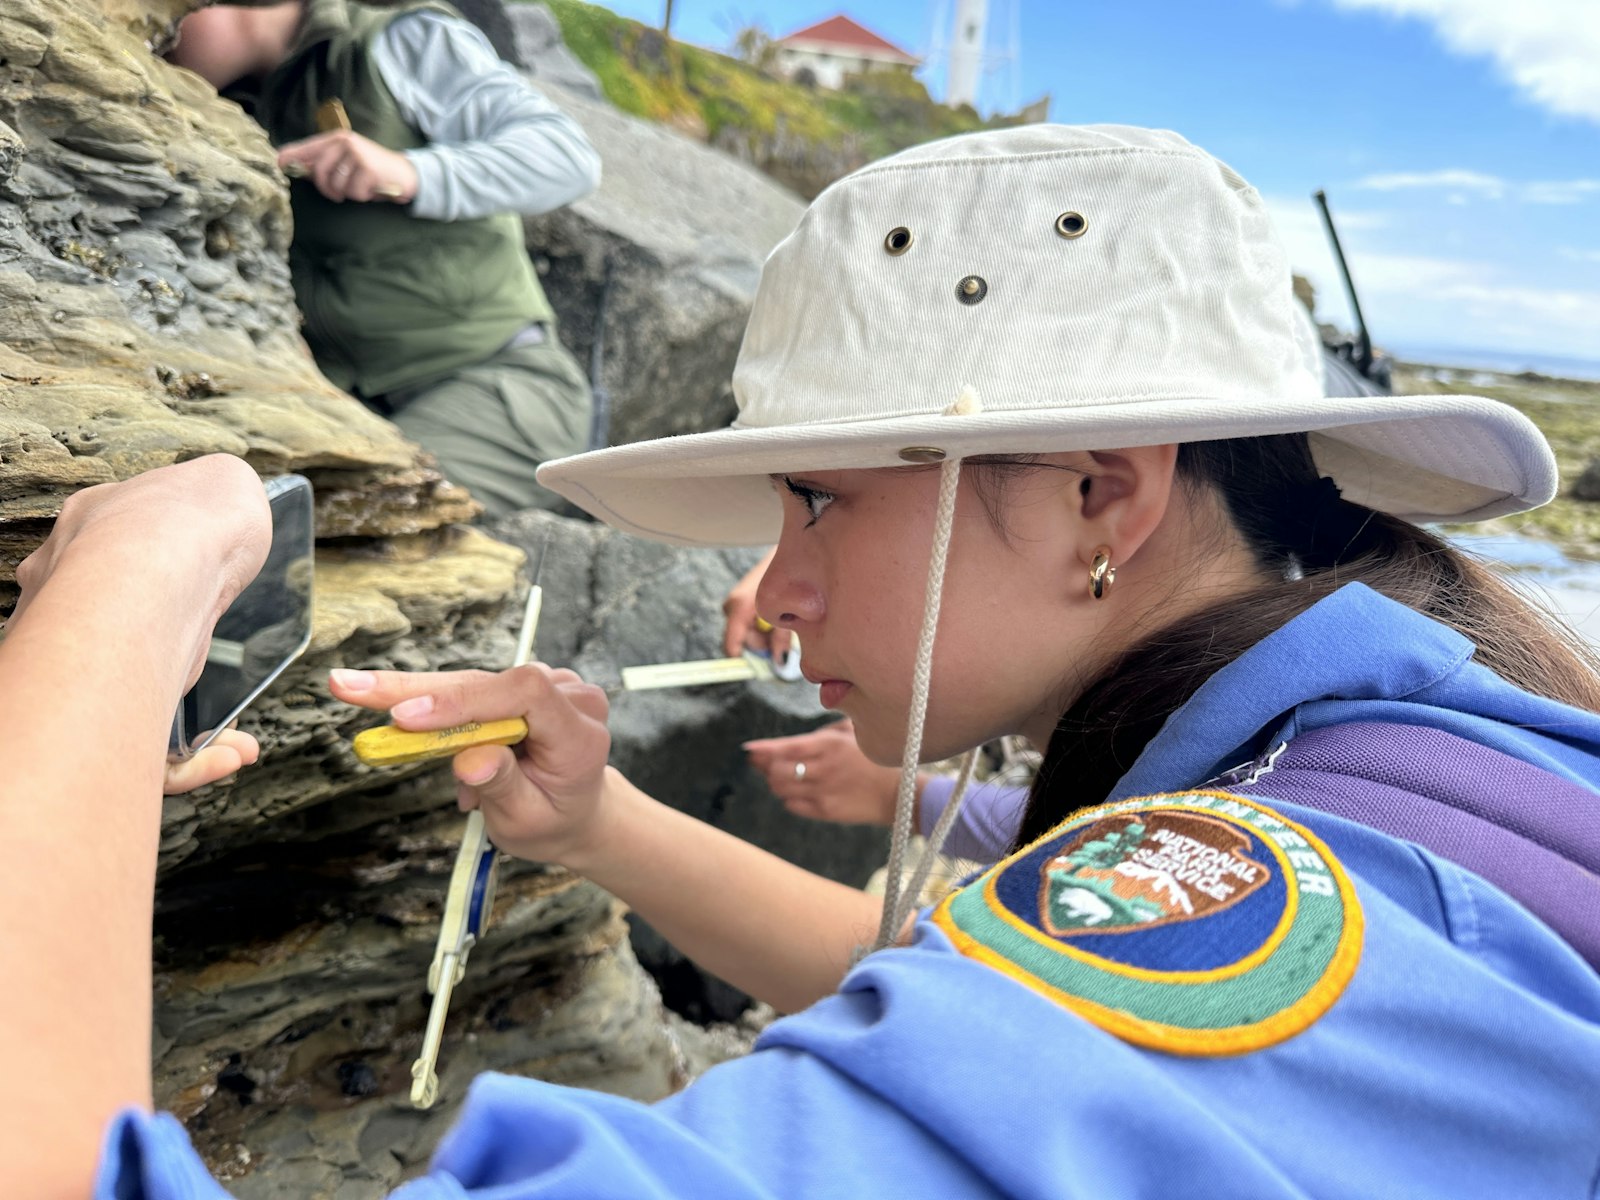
point(289, 1057)
point(536, 47)
point(681, 231)
point(1587, 485)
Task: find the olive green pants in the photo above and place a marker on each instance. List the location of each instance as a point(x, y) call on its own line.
point(492, 423)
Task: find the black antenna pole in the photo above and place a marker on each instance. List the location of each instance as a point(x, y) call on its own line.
point(1363, 343)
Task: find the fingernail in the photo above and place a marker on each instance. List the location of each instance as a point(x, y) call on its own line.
point(353, 681)
point(410, 710)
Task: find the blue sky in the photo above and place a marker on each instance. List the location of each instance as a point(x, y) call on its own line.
point(1458, 140)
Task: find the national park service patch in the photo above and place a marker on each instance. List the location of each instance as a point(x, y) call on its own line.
point(1197, 923)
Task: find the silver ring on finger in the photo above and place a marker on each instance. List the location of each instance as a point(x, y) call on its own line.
point(343, 169)
point(799, 770)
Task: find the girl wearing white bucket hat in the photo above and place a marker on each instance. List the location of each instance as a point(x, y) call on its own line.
point(1305, 899)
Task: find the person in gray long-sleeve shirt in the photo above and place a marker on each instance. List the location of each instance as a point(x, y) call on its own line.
point(494, 143)
point(414, 151)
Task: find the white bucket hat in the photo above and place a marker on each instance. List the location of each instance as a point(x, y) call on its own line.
point(1084, 288)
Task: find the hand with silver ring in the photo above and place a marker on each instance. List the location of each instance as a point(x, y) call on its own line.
point(823, 775)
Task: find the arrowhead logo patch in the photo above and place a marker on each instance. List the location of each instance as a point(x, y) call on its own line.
point(1196, 923)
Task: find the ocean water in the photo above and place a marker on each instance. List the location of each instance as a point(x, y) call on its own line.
point(1506, 362)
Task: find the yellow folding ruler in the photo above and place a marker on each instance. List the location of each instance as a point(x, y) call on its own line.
point(387, 746)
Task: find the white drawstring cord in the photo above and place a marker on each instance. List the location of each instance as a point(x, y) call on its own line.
point(911, 896)
point(894, 907)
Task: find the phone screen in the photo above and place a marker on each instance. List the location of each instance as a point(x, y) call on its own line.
point(264, 630)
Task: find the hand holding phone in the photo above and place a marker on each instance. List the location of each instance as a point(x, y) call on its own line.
point(264, 630)
point(227, 754)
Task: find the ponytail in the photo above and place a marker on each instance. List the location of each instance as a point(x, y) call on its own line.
point(1311, 541)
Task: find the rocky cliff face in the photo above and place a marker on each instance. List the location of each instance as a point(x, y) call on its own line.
point(668, 250)
point(146, 317)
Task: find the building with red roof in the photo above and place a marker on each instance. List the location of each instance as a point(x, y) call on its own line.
point(831, 50)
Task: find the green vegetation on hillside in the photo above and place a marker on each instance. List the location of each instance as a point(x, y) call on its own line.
point(804, 136)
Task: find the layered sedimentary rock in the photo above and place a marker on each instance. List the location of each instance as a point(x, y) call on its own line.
point(144, 294)
point(145, 318)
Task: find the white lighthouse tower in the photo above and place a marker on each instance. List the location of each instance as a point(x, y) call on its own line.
point(966, 53)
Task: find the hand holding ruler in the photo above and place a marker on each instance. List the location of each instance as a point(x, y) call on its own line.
point(470, 900)
point(386, 746)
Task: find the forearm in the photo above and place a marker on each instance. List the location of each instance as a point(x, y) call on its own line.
point(527, 169)
point(494, 144)
point(776, 931)
point(88, 680)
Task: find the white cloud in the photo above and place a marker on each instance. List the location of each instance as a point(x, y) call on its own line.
point(1470, 302)
point(1399, 274)
point(1576, 255)
point(1300, 230)
point(1457, 178)
point(1547, 49)
point(1425, 299)
point(1569, 191)
point(1461, 182)
point(1560, 305)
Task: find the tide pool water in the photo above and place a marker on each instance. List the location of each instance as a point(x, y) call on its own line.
point(1566, 586)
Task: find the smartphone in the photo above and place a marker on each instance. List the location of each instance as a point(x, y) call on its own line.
point(264, 630)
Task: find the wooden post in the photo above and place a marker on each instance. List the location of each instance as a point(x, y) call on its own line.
point(666, 21)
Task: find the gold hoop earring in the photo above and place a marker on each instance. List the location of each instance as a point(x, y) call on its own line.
point(1101, 573)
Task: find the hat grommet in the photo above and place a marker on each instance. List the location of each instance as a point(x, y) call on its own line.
point(922, 454)
point(1072, 225)
point(897, 241)
point(972, 289)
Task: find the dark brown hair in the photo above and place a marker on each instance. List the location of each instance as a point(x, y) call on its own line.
point(1309, 542)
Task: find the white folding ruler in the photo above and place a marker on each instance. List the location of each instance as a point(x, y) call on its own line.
point(749, 665)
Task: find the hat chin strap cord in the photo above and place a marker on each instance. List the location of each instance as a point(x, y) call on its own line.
point(899, 898)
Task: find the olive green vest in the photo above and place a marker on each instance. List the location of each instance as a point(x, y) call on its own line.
point(390, 300)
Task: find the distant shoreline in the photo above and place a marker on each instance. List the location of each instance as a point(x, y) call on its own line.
point(1457, 375)
point(1500, 362)
point(1566, 410)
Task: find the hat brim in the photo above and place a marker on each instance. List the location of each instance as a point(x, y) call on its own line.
point(1423, 458)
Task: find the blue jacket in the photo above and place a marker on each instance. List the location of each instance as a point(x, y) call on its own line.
point(1461, 1058)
